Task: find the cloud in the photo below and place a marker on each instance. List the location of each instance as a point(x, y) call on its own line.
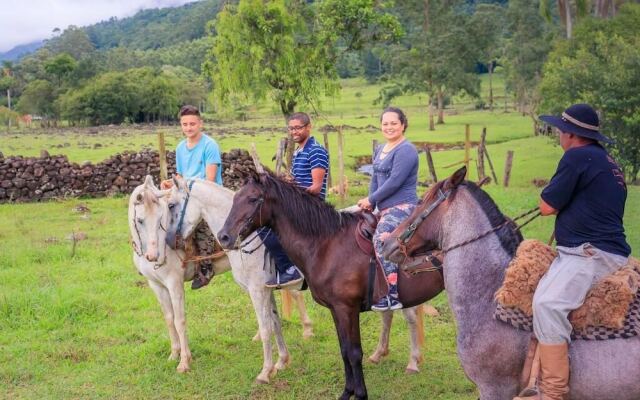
point(25, 21)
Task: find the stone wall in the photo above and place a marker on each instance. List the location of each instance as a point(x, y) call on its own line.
point(25, 179)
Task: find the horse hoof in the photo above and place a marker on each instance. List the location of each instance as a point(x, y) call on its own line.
point(308, 335)
point(182, 369)
point(411, 371)
point(374, 360)
point(283, 363)
point(261, 381)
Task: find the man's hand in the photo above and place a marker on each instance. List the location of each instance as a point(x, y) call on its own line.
point(166, 184)
point(315, 189)
point(365, 204)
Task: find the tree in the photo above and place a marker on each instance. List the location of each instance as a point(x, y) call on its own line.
point(529, 41)
point(286, 49)
point(60, 67)
point(487, 25)
point(599, 66)
point(38, 99)
point(437, 57)
point(73, 41)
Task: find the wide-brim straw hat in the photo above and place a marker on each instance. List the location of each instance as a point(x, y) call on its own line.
point(579, 119)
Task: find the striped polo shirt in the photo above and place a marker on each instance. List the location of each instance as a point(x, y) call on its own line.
point(311, 156)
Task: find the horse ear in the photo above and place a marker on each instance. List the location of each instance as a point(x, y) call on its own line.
point(148, 181)
point(456, 179)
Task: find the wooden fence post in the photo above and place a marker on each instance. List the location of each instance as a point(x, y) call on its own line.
point(467, 147)
point(374, 144)
point(432, 170)
point(507, 167)
point(326, 146)
point(483, 136)
point(341, 181)
point(280, 155)
point(493, 172)
point(164, 175)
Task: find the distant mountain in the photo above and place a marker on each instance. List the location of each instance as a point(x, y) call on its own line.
point(20, 51)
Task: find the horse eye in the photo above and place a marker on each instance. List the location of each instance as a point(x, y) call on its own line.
point(140, 221)
point(253, 199)
point(171, 205)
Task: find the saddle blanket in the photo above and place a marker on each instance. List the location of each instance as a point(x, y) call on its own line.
point(611, 309)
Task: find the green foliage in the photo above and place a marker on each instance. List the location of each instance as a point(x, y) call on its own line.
point(287, 49)
point(73, 41)
point(529, 41)
point(37, 99)
point(599, 66)
point(155, 28)
point(60, 66)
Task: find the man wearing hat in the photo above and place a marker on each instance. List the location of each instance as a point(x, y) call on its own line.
point(587, 194)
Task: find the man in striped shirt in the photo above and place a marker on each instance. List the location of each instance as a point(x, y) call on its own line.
point(310, 169)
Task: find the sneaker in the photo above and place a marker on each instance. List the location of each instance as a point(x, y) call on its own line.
point(387, 304)
point(198, 282)
point(291, 277)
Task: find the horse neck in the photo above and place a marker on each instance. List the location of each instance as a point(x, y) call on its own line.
point(475, 271)
point(215, 203)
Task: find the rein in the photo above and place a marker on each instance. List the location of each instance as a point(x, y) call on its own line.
point(408, 233)
point(184, 208)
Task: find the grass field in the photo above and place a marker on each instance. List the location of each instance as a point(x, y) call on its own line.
point(85, 325)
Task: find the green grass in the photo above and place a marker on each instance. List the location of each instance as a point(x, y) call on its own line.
point(87, 325)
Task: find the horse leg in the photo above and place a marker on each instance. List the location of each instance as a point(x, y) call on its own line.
point(283, 353)
point(260, 298)
point(176, 291)
point(383, 343)
point(415, 356)
point(347, 321)
point(162, 294)
point(307, 325)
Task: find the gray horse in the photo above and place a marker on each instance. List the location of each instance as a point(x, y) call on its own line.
point(492, 354)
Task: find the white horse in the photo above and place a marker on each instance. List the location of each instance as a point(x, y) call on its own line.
point(162, 266)
point(211, 202)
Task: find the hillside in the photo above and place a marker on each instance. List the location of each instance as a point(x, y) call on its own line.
point(155, 28)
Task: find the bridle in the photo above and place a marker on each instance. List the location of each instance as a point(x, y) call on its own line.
point(405, 236)
point(249, 221)
point(139, 251)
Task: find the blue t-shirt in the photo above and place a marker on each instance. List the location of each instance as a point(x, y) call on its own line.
point(192, 163)
point(395, 177)
point(311, 156)
point(589, 192)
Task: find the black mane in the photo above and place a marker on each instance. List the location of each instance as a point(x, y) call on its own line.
point(509, 238)
point(313, 216)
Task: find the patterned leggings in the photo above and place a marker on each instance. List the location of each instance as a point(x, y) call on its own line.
point(390, 218)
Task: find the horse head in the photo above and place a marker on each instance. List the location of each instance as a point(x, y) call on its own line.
point(422, 230)
point(249, 212)
point(185, 212)
point(148, 217)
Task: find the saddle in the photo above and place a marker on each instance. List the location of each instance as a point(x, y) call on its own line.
point(611, 308)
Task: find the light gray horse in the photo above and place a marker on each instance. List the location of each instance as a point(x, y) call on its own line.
point(492, 354)
point(162, 266)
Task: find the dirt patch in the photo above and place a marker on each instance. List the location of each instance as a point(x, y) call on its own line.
point(540, 182)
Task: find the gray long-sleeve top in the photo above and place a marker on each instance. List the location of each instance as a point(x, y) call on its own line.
point(395, 177)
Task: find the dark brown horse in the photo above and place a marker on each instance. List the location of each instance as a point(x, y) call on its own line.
point(321, 242)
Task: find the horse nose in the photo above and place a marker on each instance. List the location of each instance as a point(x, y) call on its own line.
point(224, 239)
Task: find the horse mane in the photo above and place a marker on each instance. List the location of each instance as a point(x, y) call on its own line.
point(509, 238)
point(213, 185)
point(315, 216)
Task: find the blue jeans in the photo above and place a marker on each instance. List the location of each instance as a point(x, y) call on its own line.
point(272, 243)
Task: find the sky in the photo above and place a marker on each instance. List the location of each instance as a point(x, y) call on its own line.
point(25, 21)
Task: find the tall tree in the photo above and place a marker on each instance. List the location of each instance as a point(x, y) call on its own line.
point(599, 66)
point(487, 26)
point(286, 49)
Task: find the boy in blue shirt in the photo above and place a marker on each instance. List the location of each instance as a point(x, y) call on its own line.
point(197, 156)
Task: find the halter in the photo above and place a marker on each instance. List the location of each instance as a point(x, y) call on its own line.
point(411, 229)
point(249, 220)
point(139, 251)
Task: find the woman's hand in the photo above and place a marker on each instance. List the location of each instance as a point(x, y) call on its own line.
point(365, 204)
point(166, 184)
